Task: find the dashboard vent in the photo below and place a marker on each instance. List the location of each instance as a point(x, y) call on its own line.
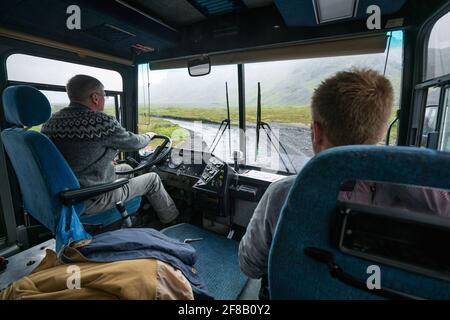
point(217, 7)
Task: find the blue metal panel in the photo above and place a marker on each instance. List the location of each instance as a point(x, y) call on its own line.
point(217, 7)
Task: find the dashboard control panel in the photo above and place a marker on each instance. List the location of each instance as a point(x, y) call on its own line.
point(212, 177)
point(212, 169)
point(183, 163)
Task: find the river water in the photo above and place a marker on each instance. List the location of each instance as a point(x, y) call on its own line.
point(295, 139)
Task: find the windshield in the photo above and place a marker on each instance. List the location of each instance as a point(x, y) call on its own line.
point(191, 109)
point(195, 107)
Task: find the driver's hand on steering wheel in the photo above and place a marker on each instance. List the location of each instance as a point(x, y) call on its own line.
point(150, 135)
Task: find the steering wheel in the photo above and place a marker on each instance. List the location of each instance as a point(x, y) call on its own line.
point(155, 157)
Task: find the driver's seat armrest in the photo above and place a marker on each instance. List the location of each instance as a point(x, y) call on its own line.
point(74, 196)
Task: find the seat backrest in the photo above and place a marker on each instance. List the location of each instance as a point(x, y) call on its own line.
point(306, 221)
point(41, 170)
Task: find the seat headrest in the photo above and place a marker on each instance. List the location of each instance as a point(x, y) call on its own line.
point(25, 106)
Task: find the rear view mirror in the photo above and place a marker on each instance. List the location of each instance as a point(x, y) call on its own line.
point(199, 67)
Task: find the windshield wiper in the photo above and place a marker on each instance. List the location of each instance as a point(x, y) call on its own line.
point(282, 152)
point(226, 123)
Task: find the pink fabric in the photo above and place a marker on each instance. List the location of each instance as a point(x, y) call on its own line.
point(418, 199)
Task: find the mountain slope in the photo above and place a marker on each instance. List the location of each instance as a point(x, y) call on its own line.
point(283, 83)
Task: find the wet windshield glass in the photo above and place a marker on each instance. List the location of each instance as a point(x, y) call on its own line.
point(193, 108)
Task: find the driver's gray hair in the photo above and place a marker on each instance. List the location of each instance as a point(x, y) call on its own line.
point(81, 86)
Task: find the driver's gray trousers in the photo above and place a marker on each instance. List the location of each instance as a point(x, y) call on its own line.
point(148, 185)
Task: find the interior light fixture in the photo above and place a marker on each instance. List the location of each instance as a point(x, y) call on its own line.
point(332, 10)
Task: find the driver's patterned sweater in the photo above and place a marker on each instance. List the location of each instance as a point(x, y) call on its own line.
point(90, 141)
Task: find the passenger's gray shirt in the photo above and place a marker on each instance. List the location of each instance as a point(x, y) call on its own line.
point(255, 245)
point(89, 141)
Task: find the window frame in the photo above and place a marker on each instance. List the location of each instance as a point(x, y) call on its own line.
point(445, 112)
point(426, 36)
point(420, 90)
point(119, 96)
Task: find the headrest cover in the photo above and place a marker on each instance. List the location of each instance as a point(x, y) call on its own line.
point(25, 106)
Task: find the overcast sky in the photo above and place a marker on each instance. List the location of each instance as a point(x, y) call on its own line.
point(440, 38)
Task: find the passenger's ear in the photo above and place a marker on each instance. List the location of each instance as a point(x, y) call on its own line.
point(94, 100)
point(317, 133)
point(319, 139)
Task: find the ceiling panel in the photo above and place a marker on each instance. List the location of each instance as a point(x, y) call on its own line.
point(177, 12)
point(105, 27)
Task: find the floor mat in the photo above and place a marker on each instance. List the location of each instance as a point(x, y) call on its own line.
point(217, 260)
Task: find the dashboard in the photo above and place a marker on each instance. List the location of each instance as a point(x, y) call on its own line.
point(209, 185)
point(210, 178)
point(212, 174)
point(182, 162)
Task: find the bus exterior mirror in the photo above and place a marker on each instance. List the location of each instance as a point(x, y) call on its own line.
point(199, 67)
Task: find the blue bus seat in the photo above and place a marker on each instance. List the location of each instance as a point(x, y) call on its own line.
point(41, 170)
point(306, 222)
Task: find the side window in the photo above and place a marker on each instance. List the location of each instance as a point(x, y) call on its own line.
point(445, 141)
point(51, 76)
point(430, 116)
point(31, 69)
point(438, 53)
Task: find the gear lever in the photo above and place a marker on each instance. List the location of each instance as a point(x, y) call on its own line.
point(237, 157)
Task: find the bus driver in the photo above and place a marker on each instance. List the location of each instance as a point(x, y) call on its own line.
point(89, 140)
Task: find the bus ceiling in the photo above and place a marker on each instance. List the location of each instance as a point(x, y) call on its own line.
point(141, 31)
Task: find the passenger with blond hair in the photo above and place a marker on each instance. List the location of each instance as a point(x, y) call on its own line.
point(350, 108)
